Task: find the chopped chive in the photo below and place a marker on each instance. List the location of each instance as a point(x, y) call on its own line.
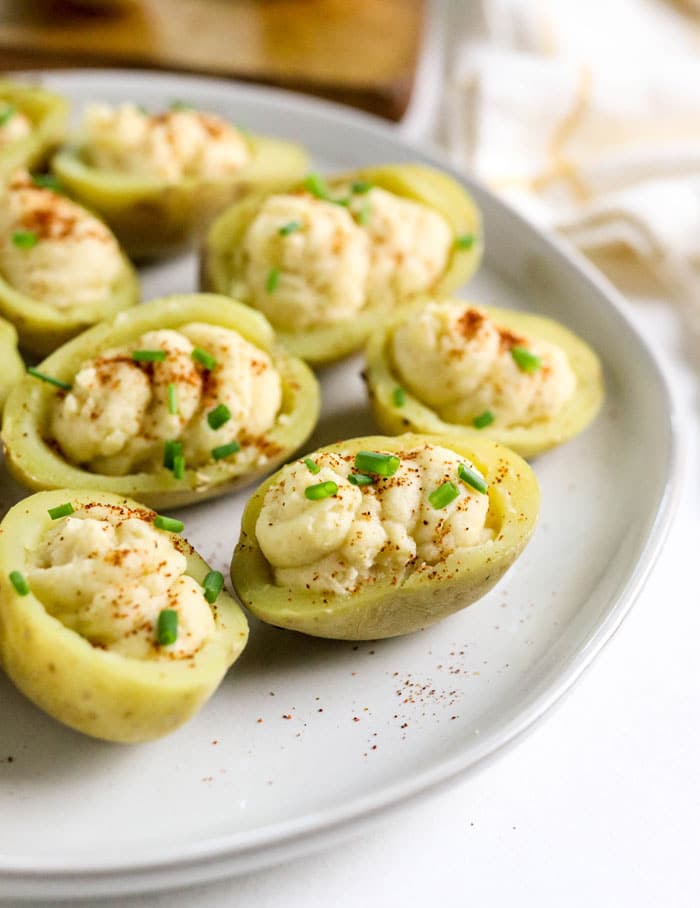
point(61, 510)
point(398, 396)
point(47, 181)
point(289, 227)
point(465, 241)
point(178, 104)
point(483, 419)
point(360, 479)
point(312, 466)
point(473, 478)
point(212, 586)
point(7, 114)
point(167, 627)
point(178, 466)
point(203, 358)
point(49, 379)
point(374, 462)
point(360, 187)
point(364, 214)
point(322, 490)
point(171, 450)
point(218, 416)
point(172, 399)
point(344, 202)
point(149, 356)
point(273, 279)
point(222, 451)
point(525, 360)
point(443, 495)
point(316, 185)
point(168, 523)
point(25, 239)
point(19, 582)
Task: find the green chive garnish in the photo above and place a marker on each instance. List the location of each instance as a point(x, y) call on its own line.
point(171, 450)
point(344, 202)
point(312, 466)
point(465, 241)
point(483, 419)
point(443, 495)
point(225, 450)
point(7, 114)
point(360, 187)
point(525, 360)
point(273, 279)
point(168, 523)
point(178, 104)
point(203, 358)
point(212, 586)
point(290, 227)
point(364, 214)
point(172, 399)
point(218, 416)
point(47, 181)
point(149, 356)
point(25, 239)
point(398, 396)
point(178, 466)
point(374, 462)
point(49, 379)
point(19, 582)
point(322, 490)
point(473, 478)
point(316, 185)
point(167, 627)
point(61, 510)
point(360, 479)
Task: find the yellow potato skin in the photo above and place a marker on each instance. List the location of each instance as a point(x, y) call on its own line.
point(100, 693)
point(48, 113)
point(528, 441)
point(416, 182)
point(35, 463)
point(427, 596)
point(11, 364)
point(153, 217)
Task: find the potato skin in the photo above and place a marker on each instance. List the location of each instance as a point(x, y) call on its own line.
point(49, 114)
point(154, 218)
point(102, 694)
point(329, 343)
point(35, 462)
point(528, 441)
point(427, 596)
point(11, 364)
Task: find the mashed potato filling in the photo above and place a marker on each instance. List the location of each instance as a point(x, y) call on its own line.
point(374, 533)
point(14, 125)
point(460, 362)
point(52, 250)
point(175, 145)
point(107, 573)
point(122, 410)
point(309, 261)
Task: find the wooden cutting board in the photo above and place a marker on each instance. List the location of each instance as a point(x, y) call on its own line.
point(361, 52)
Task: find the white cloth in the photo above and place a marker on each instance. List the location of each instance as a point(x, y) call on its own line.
point(587, 117)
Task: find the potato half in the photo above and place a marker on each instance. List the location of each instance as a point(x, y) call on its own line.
point(426, 596)
point(48, 113)
point(34, 459)
point(11, 365)
point(97, 692)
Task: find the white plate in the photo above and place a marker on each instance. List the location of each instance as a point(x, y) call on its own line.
point(306, 740)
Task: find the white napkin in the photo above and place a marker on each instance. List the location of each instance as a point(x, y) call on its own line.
point(587, 117)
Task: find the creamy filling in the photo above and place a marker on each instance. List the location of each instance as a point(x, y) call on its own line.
point(308, 261)
point(121, 411)
point(107, 573)
point(52, 250)
point(178, 144)
point(459, 361)
point(14, 125)
point(377, 533)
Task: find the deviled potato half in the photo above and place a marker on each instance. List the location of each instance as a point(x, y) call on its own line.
point(158, 179)
point(32, 125)
point(451, 367)
point(326, 260)
point(11, 364)
point(61, 269)
point(109, 621)
point(377, 537)
point(175, 401)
